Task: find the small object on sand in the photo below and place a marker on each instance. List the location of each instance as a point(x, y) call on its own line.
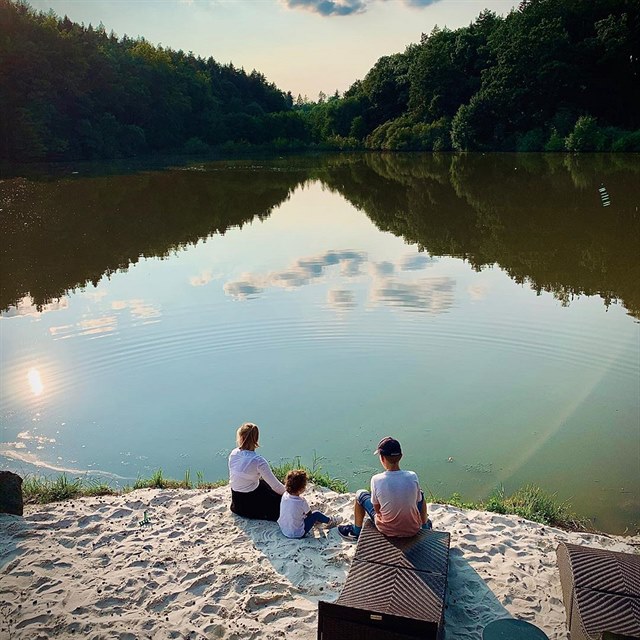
point(145, 519)
point(11, 500)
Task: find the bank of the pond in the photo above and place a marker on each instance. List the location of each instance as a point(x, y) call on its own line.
point(530, 501)
point(178, 564)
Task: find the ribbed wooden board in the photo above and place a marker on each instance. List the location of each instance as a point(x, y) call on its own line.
point(601, 591)
point(392, 590)
point(427, 551)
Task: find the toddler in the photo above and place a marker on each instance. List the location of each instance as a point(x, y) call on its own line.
point(296, 518)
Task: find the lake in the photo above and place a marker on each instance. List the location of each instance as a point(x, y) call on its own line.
point(483, 309)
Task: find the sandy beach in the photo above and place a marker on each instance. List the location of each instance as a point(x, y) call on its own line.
point(88, 568)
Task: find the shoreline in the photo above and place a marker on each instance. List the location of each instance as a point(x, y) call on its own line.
point(529, 501)
point(87, 568)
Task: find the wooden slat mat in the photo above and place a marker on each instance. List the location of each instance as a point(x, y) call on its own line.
point(601, 591)
point(428, 551)
point(396, 591)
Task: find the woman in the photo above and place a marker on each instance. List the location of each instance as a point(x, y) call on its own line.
point(255, 491)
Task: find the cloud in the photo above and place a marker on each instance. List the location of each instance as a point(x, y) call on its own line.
point(139, 310)
point(301, 273)
point(243, 289)
point(345, 7)
point(478, 292)
point(329, 7)
point(431, 295)
point(385, 268)
point(416, 261)
point(201, 279)
point(420, 3)
point(91, 327)
point(341, 299)
point(27, 307)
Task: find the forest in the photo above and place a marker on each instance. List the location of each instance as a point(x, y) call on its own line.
point(552, 75)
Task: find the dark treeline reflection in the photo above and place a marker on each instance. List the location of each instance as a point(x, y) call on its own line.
point(538, 217)
point(62, 235)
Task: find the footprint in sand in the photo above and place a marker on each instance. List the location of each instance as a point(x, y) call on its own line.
point(29, 621)
point(42, 517)
point(121, 513)
point(258, 601)
point(84, 521)
point(199, 586)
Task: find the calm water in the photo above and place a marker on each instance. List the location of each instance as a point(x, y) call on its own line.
point(482, 309)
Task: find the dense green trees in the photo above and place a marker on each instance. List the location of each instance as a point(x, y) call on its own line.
point(553, 75)
point(70, 92)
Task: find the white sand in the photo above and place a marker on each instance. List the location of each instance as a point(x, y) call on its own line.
point(86, 568)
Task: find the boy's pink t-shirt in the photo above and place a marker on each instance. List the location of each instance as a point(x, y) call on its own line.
point(397, 493)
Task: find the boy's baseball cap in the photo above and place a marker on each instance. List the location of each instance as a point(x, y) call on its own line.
point(388, 447)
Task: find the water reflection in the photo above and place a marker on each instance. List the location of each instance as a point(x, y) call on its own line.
point(301, 273)
point(341, 299)
point(27, 307)
point(432, 295)
point(35, 382)
point(539, 217)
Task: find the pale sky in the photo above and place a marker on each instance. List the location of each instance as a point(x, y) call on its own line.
point(303, 46)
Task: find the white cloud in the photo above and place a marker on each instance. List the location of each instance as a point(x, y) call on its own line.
point(344, 7)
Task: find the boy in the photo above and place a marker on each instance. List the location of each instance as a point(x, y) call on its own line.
point(396, 504)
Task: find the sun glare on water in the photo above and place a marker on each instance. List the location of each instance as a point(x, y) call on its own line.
point(35, 382)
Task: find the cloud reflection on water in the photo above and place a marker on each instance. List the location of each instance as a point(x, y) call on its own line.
point(26, 307)
point(141, 312)
point(341, 299)
point(432, 295)
point(302, 272)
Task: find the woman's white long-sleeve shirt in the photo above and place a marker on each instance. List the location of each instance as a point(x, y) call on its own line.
point(245, 470)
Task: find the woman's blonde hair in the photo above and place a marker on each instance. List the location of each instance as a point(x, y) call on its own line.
point(247, 436)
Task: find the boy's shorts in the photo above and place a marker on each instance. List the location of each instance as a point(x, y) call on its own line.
point(364, 499)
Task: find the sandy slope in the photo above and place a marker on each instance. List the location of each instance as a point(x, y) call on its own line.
point(87, 569)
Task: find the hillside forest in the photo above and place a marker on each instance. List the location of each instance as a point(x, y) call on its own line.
point(552, 75)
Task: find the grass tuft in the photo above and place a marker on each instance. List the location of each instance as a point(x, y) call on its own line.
point(315, 473)
point(530, 502)
point(533, 503)
point(43, 489)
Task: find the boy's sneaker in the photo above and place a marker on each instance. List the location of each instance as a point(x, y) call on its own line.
point(346, 531)
point(334, 521)
point(428, 525)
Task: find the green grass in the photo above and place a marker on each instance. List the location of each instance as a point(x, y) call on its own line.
point(43, 489)
point(530, 502)
point(315, 473)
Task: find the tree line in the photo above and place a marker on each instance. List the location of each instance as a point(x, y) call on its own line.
point(552, 75)
point(74, 92)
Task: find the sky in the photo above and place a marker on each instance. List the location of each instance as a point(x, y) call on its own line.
point(303, 46)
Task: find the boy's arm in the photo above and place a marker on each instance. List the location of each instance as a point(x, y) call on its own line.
point(374, 498)
point(424, 516)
